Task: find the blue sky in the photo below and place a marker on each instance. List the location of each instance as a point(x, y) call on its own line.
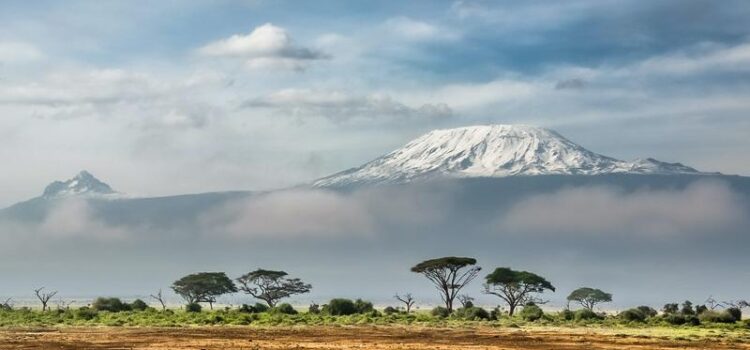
point(263, 94)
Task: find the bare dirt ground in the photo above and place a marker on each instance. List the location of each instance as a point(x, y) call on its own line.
point(390, 338)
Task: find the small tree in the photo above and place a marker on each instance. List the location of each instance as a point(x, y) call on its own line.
point(449, 275)
point(589, 297)
point(407, 299)
point(160, 298)
point(271, 286)
point(203, 287)
point(7, 304)
point(516, 288)
point(44, 297)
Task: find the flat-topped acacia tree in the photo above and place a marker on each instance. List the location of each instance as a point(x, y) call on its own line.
point(203, 287)
point(589, 297)
point(271, 286)
point(516, 288)
point(449, 275)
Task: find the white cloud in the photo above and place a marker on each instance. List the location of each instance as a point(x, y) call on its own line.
point(702, 208)
point(19, 52)
point(267, 46)
point(411, 29)
point(344, 107)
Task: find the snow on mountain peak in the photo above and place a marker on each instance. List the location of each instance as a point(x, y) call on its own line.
point(83, 184)
point(492, 151)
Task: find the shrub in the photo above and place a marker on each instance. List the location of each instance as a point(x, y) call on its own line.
point(531, 312)
point(735, 312)
point(440, 312)
point(314, 309)
point(586, 314)
point(717, 317)
point(85, 313)
point(193, 307)
point(472, 313)
point(674, 319)
point(670, 308)
point(647, 311)
point(390, 310)
point(258, 307)
point(138, 305)
point(567, 315)
point(633, 315)
point(110, 304)
point(362, 306)
point(285, 309)
point(340, 307)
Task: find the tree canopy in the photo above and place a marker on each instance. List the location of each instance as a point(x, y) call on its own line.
point(271, 286)
point(449, 275)
point(515, 287)
point(203, 287)
point(589, 297)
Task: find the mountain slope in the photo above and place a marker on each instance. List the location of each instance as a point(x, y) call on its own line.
point(83, 184)
point(492, 151)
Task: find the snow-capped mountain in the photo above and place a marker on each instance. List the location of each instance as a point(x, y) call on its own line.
point(83, 184)
point(493, 151)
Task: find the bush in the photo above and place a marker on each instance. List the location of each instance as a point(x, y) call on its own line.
point(84, 313)
point(285, 309)
point(362, 306)
point(138, 305)
point(531, 312)
point(340, 307)
point(440, 312)
point(472, 313)
point(633, 315)
point(193, 307)
point(717, 317)
point(735, 312)
point(314, 309)
point(567, 315)
point(586, 314)
point(675, 319)
point(670, 308)
point(110, 304)
point(390, 310)
point(648, 311)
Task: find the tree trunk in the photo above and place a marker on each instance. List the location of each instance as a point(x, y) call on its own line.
point(511, 310)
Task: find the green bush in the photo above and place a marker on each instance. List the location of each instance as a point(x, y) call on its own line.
point(717, 317)
point(110, 304)
point(138, 305)
point(531, 313)
point(586, 314)
point(567, 315)
point(193, 307)
point(648, 311)
point(674, 319)
point(340, 307)
point(285, 309)
point(633, 315)
point(85, 313)
point(362, 306)
point(389, 310)
point(440, 312)
point(471, 313)
point(314, 309)
point(735, 312)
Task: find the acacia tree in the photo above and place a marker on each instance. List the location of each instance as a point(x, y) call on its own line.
point(407, 299)
point(449, 275)
point(271, 286)
point(516, 288)
point(203, 287)
point(44, 297)
point(589, 297)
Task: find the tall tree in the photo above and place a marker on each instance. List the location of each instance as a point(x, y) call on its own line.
point(589, 297)
point(449, 275)
point(516, 288)
point(271, 286)
point(203, 287)
point(44, 297)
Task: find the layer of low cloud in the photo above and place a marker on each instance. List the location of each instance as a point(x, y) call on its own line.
point(266, 46)
point(704, 208)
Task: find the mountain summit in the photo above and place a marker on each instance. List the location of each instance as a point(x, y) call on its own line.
point(493, 151)
point(82, 184)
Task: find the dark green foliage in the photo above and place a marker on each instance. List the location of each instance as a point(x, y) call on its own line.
point(531, 312)
point(252, 309)
point(284, 308)
point(586, 314)
point(138, 305)
point(85, 313)
point(516, 288)
point(314, 309)
point(633, 315)
point(700, 309)
point(471, 313)
point(567, 315)
point(675, 318)
point(193, 307)
point(735, 312)
point(339, 307)
point(390, 310)
point(109, 304)
point(670, 308)
point(648, 311)
point(589, 297)
point(687, 308)
point(203, 287)
point(362, 306)
point(717, 317)
point(440, 312)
